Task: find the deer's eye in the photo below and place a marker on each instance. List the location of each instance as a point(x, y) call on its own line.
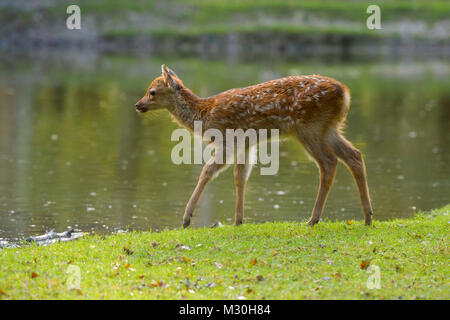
point(152, 92)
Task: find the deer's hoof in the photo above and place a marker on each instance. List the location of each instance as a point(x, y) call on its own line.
point(368, 218)
point(312, 222)
point(186, 223)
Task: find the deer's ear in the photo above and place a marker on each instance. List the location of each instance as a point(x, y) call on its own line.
point(168, 75)
point(170, 71)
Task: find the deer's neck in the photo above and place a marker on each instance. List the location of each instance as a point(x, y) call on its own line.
point(186, 108)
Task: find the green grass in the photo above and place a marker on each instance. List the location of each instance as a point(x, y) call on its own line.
point(211, 10)
point(281, 260)
point(351, 10)
point(219, 30)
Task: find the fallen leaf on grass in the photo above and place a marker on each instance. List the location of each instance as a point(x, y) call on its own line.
point(211, 285)
point(128, 251)
point(52, 283)
point(398, 268)
point(337, 275)
point(349, 222)
point(155, 244)
point(186, 259)
point(155, 284)
point(128, 266)
point(2, 292)
point(253, 262)
point(364, 264)
point(34, 275)
point(181, 246)
point(217, 224)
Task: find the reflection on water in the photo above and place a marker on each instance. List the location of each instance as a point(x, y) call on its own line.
point(73, 152)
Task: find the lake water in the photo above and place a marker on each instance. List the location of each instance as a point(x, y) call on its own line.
point(73, 151)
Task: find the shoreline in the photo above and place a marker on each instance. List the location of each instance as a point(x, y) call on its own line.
point(280, 260)
point(235, 45)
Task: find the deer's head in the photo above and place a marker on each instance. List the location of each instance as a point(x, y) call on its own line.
point(161, 92)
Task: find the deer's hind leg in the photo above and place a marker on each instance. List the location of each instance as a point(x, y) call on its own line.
point(353, 159)
point(326, 160)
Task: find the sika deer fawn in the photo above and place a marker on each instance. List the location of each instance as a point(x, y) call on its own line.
point(310, 108)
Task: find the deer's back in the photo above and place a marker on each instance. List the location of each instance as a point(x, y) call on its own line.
point(283, 103)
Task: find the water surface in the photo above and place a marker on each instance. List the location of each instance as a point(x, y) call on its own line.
point(73, 152)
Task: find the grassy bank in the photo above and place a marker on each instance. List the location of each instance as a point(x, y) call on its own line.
point(285, 260)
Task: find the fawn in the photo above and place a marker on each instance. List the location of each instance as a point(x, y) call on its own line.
point(310, 108)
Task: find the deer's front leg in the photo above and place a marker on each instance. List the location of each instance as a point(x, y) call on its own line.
point(240, 180)
point(241, 175)
point(210, 170)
